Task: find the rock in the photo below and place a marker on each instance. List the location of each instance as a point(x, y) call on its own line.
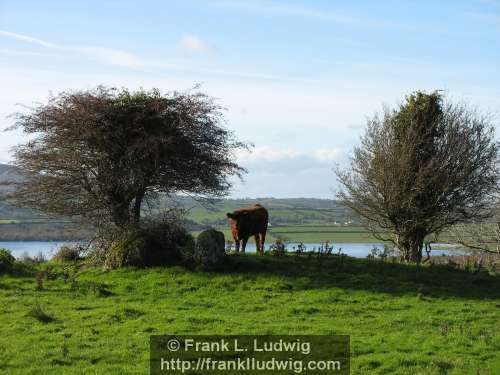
point(209, 249)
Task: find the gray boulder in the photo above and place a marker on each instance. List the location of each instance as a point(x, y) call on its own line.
point(210, 248)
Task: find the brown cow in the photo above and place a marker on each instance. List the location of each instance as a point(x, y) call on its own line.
point(246, 222)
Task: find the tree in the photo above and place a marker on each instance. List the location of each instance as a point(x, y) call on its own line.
point(421, 168)
point(97, 154)
point(483, 237)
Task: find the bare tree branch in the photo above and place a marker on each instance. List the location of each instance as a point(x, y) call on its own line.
point(421, 168)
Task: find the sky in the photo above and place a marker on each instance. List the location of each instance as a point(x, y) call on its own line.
point(297, 79)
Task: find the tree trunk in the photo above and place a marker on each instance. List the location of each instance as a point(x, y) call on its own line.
point(137, 207)
point(121, 215)
point(411, 246)
point(415, 253)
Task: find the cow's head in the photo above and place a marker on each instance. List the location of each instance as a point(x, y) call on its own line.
point(237, 221)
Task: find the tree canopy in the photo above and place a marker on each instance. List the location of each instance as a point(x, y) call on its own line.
point(97, 154)
point(420, 168)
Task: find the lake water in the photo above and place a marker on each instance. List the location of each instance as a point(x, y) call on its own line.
point(32, 248)
point(358, 250)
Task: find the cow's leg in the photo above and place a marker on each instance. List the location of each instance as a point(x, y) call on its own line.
point(257, 243)
point(244, 241)
point(262, 240)
point(237, 245)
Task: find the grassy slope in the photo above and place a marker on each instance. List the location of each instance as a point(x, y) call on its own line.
point(401, 320)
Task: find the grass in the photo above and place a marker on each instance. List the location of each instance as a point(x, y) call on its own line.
point(9, 221)
point(323, 233)
point(311, 234)
point(401, 319)
point(39, 314)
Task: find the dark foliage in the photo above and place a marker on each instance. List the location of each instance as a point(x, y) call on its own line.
point(68, 253)
point(155, 243)
point(6, 261)
point(99, 154)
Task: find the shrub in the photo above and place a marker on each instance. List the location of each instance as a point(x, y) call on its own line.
point(373, 253)
point(278, 248)
point(25, 257)
point(301, 249)
point(68, 253)
point(153, 244)
point(33, 260)
point(6, 261)
point(126, 251)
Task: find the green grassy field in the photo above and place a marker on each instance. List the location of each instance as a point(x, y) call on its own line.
point(322, 233)
point(9, 221)
point(300, 210)
point(401, 319)
point(311, 234)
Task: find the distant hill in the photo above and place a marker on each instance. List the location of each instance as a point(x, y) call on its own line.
point(20, 223)
point(25, 224)
point(8, 174)
point(282, 211)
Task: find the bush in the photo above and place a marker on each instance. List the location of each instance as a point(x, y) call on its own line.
point(32, 260)
point(126, 251)
point(278, 248)
point(68, 253)
point(153, 244)
point(6, 261)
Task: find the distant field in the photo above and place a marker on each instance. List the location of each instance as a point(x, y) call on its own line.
point(305, 233)
point(9, 221)
point(293, 211)
point(296, 220)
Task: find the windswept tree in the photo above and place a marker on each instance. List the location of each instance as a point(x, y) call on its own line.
point(421, 168)
point(97, 154)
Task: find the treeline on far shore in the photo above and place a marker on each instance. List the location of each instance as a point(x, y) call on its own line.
point(60, 231)
point(44, 231)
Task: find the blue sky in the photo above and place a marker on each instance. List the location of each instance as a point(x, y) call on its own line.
point(298, 78)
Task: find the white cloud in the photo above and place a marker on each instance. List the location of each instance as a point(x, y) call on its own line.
point(270, 154)
point(13, 52)
point(266, 153)
point(194, 44)
point(111, 56)
point(287, 172)
point(327, 155)
point(28, 39)
point(102, 55)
